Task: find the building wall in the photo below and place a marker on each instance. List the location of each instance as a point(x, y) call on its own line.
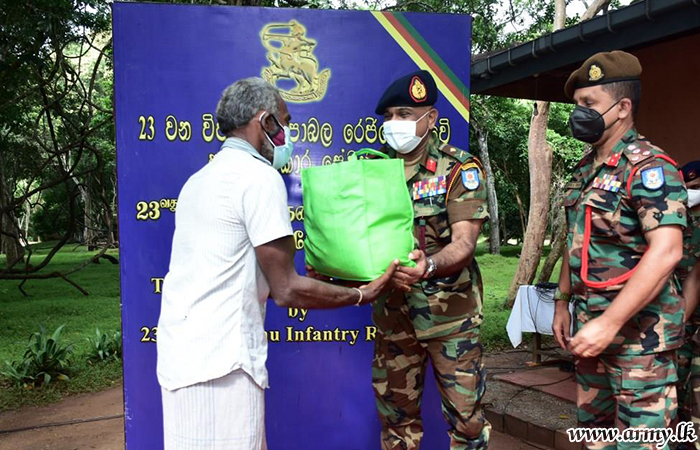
point(669, 114)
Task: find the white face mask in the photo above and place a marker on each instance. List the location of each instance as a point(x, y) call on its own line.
point(401, 134)
point(693, 198)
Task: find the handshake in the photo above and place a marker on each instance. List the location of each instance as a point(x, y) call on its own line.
point(395, 277)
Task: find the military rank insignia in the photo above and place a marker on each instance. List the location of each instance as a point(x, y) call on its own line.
point(653, 178)
point(470, 178)
point(607, 183)
point(429, 187)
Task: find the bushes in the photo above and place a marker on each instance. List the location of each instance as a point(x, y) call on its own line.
point(105, 347)
point(47, 358)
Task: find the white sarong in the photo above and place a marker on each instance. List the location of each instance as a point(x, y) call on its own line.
point(227, 413)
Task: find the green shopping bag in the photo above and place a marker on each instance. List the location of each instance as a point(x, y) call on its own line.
point(358, 217)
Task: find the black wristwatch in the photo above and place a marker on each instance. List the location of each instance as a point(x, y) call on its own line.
point(430, 271)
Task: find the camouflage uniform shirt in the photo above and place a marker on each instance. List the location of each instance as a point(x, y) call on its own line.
point(609, 207)
point(443, 306)
point(691, 244)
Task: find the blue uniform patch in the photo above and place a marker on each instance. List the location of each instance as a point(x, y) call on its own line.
point(653, 178)
point(470, 178)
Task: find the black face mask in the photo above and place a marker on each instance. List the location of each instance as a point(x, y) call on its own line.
point(587, 124)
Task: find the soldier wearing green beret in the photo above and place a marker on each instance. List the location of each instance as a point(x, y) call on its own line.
point(436, 311)
point(626, 213)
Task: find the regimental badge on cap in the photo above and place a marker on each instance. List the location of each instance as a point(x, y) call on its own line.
point(653, 178)
point(429, 188)
point(470, 178)
point(418, 91)
point(595, 73)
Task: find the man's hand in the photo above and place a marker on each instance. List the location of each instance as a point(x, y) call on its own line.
point(311, 273)
point(595, 336)
point(373, 290)
point(561, 325)
point(405, 276)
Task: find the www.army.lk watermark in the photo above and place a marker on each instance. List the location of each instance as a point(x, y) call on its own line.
point(684, 432)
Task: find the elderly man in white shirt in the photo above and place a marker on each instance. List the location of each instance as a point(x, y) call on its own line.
point(233, 247)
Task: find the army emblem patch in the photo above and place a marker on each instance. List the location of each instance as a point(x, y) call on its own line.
point(607, 183)
point(470, 178)
point(418, 91)
point(429, 188)
point(653, 178)
point(595, 73)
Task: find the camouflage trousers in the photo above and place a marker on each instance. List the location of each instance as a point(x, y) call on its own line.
point(626, 391)
point(684, 357)
point(398, 375)
point(694, 384)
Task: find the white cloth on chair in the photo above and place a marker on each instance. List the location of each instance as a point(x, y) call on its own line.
point(533, 311)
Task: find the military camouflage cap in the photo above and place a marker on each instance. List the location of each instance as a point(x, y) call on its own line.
point(603, 68)
point(415, 89)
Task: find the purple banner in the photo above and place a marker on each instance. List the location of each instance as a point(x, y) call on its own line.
point(171, 64)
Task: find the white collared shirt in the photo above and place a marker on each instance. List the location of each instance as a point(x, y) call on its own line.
point(214, 295)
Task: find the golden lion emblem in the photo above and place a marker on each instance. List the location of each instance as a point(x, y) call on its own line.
point(291, 57)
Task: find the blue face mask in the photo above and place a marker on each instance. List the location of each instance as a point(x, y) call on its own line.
point(281, 141)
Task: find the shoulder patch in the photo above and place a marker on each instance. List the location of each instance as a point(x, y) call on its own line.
point(470, 178)
point(653, 178)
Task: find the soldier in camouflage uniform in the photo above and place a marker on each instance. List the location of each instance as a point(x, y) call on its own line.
point(626, 213)
point(691, 249)
point(436, 312)
point(689, 274)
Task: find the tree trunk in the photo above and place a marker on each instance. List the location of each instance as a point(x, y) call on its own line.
point(559, 232)
point(10, 244)
point(88, 225)
point(558, 247)
point(482, 138)
point(541, 172)
point(595, 7)
point(27, 218)
point(540, 164)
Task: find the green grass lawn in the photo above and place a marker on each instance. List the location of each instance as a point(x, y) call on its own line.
point(54, 302)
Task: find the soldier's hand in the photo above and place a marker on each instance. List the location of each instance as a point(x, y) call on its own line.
point(561, 325)
point(311, 273)
point(373, 290)
point(595, 336)
point(406, 276)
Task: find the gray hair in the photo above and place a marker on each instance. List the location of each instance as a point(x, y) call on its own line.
point(242, 100)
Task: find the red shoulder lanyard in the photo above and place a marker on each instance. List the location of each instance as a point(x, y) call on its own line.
point(587, 239)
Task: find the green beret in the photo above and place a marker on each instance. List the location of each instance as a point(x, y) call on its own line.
point(603, 68)
point(415, 89)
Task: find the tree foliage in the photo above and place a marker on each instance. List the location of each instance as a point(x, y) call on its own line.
point(56, 129)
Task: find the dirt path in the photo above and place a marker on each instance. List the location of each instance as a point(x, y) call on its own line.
point(105, 431)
